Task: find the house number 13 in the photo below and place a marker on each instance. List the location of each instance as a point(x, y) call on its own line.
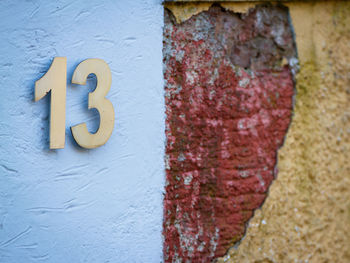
point(55, 81)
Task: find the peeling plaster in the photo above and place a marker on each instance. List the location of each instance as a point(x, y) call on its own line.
point(306, 216)
point(222, 128)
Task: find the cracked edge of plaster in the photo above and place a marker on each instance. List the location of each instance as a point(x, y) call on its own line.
point(184, 11)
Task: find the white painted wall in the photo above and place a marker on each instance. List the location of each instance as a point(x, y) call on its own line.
point(76, 205)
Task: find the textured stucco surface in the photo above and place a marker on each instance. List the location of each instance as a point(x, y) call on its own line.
point(306, 217)
point(76, 205)
point(105, 205)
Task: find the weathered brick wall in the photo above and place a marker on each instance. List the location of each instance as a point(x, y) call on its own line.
point(229, 97)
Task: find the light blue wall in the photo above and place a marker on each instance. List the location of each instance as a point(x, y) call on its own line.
point(76, 205)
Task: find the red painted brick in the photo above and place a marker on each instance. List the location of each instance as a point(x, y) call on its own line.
point(228, 106)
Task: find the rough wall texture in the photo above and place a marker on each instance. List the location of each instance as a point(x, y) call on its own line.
point(74, 205)
point(228, 104)
point(306, 216)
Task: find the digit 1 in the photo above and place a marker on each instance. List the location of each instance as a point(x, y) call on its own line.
point(55, 81)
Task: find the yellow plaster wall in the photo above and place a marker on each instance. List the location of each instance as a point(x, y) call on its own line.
point(306, 217)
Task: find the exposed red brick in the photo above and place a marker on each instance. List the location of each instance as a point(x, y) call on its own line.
point(228, 105)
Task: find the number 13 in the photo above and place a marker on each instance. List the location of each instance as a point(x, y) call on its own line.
point(55, 81)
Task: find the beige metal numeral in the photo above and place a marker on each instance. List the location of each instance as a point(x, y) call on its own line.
point(96, 100)
point(55, 81)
